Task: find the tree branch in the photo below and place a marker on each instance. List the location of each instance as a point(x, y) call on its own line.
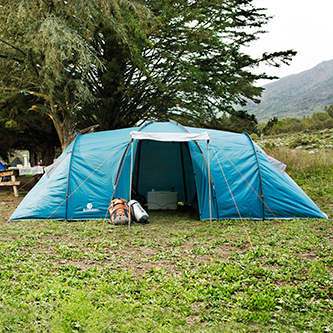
point(12, 46)
point(14, 58)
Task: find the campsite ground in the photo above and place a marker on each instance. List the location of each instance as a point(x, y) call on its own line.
point(176, 274)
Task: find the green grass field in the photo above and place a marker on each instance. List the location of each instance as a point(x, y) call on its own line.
point(176, 274)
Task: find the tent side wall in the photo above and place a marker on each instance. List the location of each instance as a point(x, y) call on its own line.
point(235, 177)
point(237, 180)
point(94, 168)
point(283, 197)
point(87, 176)
point(47, 199)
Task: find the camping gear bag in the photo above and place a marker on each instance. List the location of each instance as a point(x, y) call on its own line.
point(138, 214)
point(119, 211)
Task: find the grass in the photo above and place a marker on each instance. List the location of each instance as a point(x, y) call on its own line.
point(176, 274)
point(301, 160)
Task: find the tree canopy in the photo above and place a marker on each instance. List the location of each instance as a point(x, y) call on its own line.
point(29, 129)
point(47, 51)
point(116, 63)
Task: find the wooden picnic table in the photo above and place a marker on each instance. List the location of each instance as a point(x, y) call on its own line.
point(11, 181)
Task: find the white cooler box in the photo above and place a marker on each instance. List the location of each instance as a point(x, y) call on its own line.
point(162, 200)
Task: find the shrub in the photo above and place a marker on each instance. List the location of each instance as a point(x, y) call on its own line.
point(318, 121)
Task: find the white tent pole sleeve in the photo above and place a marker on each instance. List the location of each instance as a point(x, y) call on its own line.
point(170, 137)
point(209, 186)
point(130, 187)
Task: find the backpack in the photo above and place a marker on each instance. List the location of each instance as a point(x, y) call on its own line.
point(119, 211)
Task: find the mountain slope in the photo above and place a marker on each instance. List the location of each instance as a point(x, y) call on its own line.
point(296, 95)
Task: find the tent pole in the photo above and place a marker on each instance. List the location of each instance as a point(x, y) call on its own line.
point(209, 186)
point(183, 170)
point(68, 177)
point(130, 188)
point(259, 174)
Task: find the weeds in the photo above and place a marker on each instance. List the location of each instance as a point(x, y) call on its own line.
point(301, 161)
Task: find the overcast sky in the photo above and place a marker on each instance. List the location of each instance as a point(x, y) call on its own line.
point(303, 25)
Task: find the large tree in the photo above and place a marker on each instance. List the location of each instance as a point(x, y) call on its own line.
point(46, 51)
point(195, 70)
point(199, 56)
point(114, 63)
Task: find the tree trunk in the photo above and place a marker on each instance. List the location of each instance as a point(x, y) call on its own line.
point(33, 157)
point(48, 154)
point(65, 131)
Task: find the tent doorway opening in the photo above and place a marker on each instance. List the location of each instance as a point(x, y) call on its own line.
point(164, 166)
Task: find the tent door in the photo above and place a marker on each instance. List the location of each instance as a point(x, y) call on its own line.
point(164, 166)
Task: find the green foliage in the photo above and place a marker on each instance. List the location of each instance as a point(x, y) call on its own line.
point(120, 62)
point(273, 121)
point(254, 137)
point(7, 136)
point(329, 110)
point(318, 121)
point(47, 52)
point(236, 121)
point(33, 130)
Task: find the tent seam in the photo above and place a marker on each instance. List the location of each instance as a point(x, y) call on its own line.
point(69, 173)
point(259, 173)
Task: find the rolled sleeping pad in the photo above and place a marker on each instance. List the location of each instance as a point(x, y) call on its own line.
point(138, 214)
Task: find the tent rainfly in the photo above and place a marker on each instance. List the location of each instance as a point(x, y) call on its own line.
point(225, 175)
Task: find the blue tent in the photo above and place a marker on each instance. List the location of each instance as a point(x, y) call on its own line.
point(225, 174)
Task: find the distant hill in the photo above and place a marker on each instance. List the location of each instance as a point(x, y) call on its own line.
point(296, 95)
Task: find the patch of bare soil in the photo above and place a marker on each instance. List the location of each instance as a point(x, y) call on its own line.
point(308, 255)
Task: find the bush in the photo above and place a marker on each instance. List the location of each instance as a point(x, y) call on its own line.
point(318, 121)
point(255, 137)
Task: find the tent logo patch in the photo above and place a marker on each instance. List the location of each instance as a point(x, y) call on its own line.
point(90, 208)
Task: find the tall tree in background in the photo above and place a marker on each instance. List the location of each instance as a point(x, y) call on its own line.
point(113, 63)
point(46, 51)
point(203, 66)
point(194, 71)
